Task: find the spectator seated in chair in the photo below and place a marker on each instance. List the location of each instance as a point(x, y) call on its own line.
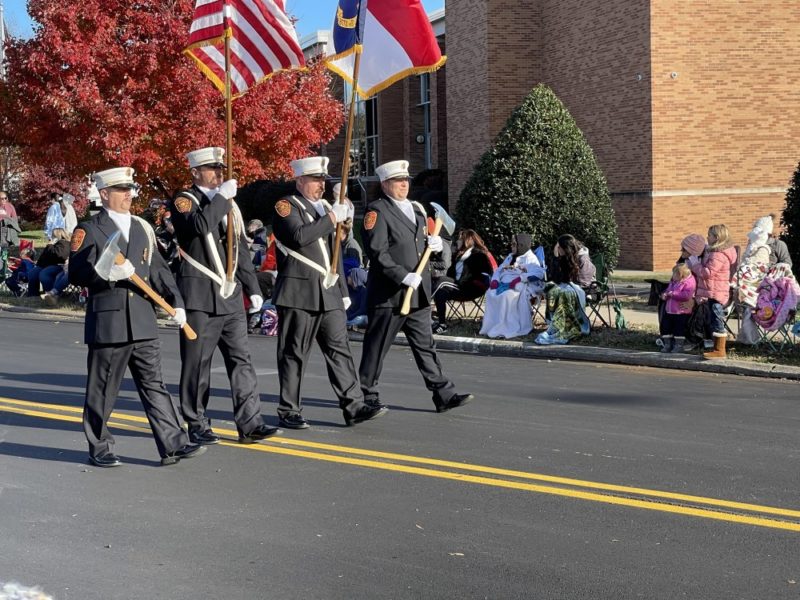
point(50, 264)
point(467, 279)
point(508, 302)
point(565, 298)
point(19, 273)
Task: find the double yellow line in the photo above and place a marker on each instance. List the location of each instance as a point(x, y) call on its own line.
point(631, 497)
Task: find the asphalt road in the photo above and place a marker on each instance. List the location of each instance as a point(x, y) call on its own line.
point(561, 480)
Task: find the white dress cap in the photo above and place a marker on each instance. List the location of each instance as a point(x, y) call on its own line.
point(213, 156)
point(393, 170)
point(116, 177)
point(336, 189)
point(311, 166)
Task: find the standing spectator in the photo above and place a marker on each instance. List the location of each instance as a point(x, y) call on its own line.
point(121, 328)
point(395, 236)
point(679, 297)
point(7, 210)
point(50, 263)
point(713, 272)
point(311, 305)
point(55, 216)
point(200, 217)
point(70, 218)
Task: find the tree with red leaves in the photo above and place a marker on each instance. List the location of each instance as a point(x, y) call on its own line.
point(104, 82)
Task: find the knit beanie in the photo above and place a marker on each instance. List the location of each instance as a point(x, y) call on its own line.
point(757, 236)
point(694, 244)
point(765, 223)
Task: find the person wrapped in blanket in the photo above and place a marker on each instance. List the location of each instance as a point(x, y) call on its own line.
point(507, 312)
point(565, 299)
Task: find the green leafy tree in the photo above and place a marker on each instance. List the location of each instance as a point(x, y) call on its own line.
point(540, 177)
point(791, 218)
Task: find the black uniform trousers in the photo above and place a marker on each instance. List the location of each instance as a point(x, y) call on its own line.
point(229, 334)
point(106, 367)
point(384, 325)
point(297, 329)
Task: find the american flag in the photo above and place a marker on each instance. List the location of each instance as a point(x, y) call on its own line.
point(262, 41)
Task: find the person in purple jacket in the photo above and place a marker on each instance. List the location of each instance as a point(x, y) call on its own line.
point(679, 297)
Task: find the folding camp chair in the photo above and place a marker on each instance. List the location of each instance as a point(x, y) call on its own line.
point(597, 293)
point(462, 310)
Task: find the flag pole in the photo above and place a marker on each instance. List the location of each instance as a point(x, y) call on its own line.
point(229, 147)
point(346, 160)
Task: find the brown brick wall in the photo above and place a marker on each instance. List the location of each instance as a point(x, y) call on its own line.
point(468, 97)
point(731, 117)
point(677, 216)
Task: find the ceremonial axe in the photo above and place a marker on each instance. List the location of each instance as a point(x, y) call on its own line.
point(112, 256)
point(442, 219)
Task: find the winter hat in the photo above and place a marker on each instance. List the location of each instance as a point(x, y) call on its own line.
point(765, 223)
point(757, 236)
point(694, 244)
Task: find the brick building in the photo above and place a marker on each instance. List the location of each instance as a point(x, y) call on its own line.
point(692, 109)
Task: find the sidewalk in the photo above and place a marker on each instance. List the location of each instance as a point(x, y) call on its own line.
point(511, 348)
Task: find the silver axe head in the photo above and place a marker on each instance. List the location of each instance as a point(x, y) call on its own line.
point(447, 221)
point(107, 257)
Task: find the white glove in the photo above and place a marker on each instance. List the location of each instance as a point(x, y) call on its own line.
point(412, 280)
point(692, 261)
point(179, 317)
point(123, 271)
point(340, 211)
point(228, 189)
point(256, 302)
point(435, 243)
point(347, 303)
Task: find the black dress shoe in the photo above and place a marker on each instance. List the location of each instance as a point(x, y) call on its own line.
point(374, 402)
point(365, 413)
point(109, 459)
point(454, 402)
point(293, 422)
point(261, 432)
point(204, 438)
point(187, 451)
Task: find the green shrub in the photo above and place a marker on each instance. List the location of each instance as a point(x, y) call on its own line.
point(791, 219)
point(540, 177)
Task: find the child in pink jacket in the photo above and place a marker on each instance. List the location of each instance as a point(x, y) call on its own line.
point(679, 296)
point(713, 272)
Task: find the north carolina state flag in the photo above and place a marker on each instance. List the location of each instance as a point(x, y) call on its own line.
point(394, 37)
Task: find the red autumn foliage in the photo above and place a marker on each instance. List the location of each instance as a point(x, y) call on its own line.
point(104, 83)
point(38, 183)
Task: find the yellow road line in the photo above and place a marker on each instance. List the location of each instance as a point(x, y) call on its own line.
point(650, 501)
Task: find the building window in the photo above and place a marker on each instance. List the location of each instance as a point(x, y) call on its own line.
point(425, 104)
point(364, 147)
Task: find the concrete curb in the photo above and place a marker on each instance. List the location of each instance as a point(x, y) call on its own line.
point(510, 348)
point(685, 362)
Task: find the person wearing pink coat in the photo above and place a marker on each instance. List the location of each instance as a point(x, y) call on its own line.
point(713, 271)
point(679, 296)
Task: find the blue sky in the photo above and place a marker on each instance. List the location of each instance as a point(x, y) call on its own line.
point(311, 14)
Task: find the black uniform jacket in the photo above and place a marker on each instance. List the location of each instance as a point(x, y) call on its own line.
point(192, 224)
point(394, 245)
point(298, 285)
point(119, 312)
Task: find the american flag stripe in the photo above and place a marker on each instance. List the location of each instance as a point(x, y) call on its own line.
point(263, 41)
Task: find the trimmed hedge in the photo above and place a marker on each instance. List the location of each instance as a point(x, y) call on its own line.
point(540, 177)
point(791, 219)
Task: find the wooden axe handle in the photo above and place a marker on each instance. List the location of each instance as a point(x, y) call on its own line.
point(423, 262)
point(155, 297)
